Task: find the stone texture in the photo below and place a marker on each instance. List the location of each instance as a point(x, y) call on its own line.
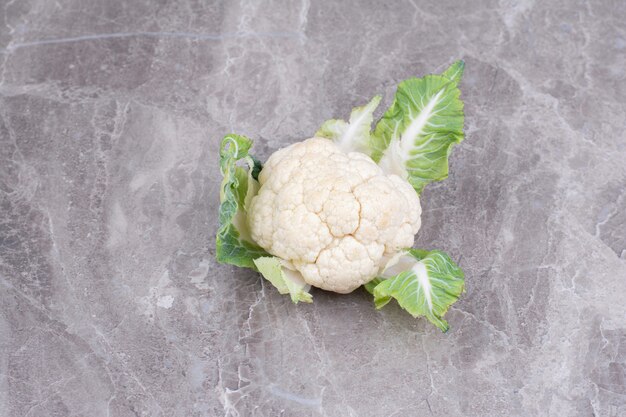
point(111, 302)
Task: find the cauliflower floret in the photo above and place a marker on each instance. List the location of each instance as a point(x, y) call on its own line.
point(335, 216)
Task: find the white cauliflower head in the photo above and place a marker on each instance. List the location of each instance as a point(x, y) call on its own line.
point(335, 216)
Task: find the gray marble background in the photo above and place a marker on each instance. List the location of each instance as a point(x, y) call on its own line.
point(111, 302)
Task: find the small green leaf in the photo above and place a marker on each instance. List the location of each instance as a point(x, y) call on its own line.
point(369, 287)
point(352, 136)
point(455, 71)
point(428, 286)
point(287, 281)
point(415, 136)
point(233, 242)
point(332, 129)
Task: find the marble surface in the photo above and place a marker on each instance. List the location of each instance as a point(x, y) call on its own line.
point(111, 302)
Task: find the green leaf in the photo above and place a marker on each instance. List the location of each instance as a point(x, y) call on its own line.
point(241, 175)
point(233, 242)
point(415, 136)
point(424, 284)
point(455, 71)
point(352, 136)
point(286, 280)
point(369, 287)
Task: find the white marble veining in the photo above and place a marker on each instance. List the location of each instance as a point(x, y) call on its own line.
point(112, 304)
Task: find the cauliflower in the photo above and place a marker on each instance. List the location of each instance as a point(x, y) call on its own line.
point(340, 210)
point(335, 216)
